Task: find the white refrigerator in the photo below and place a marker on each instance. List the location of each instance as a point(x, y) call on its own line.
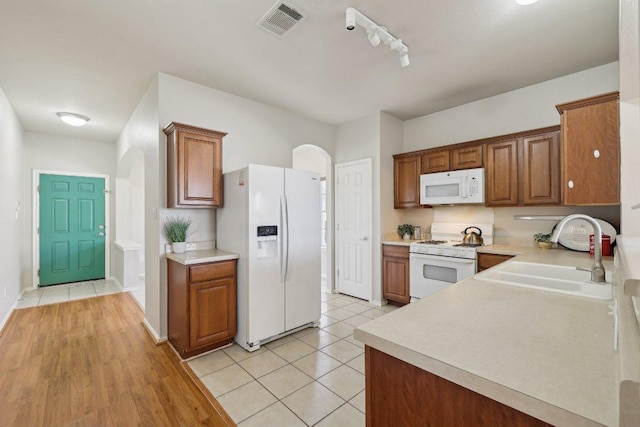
point(271, 218)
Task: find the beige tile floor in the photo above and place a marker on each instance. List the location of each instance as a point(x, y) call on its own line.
point(68, 292)
point(314, 377)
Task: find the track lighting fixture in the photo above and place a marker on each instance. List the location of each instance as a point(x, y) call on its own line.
point(377, 33)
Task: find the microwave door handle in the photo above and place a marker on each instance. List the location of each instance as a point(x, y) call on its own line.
point(463, 187)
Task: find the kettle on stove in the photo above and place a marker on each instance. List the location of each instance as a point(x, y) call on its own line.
point(472, 238)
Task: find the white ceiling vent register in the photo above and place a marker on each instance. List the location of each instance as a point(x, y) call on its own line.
point(281, 19)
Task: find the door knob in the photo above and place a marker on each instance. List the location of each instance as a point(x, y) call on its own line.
point(365, 239)
point(101, 234)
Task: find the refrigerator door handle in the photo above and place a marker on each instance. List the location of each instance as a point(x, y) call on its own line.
point(284, 211)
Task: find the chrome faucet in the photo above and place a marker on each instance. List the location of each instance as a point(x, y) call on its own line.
point(597, 269)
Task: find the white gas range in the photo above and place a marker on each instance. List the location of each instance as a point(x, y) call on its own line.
point(443, 260)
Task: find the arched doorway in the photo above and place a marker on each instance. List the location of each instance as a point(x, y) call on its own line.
point(130, 235)
point(313, 158)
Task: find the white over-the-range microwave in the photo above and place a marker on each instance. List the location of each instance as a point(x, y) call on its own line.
point(452, 188)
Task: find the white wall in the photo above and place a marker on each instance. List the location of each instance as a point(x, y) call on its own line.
point(629, 116)
point(142, 132)
point(391, 140)
point(257, 133)
point(62, 154)
point(11, 212)
point(357, 140)
point(522, 109)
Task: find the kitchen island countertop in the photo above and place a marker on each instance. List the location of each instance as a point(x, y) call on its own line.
point(202, 256)
point(545, 354)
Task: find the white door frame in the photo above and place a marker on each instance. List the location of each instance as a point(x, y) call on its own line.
point(35, 207)
point(368, 162)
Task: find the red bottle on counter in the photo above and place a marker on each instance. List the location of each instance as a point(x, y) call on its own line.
point(606, 245)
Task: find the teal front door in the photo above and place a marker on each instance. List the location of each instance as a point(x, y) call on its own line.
point(72, 229)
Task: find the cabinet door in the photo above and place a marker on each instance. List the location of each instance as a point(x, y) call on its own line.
point(591, 154)
point(435, 162)
point(212, 311)
point(395, 272)
point(541, 169)
point(501, 173)
point(194, 167)
point(466, 158)
point(406, 182)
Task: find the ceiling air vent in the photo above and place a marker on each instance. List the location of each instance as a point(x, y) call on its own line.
point(281, 19)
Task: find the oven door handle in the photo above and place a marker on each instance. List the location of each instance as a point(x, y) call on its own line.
point(442, 258)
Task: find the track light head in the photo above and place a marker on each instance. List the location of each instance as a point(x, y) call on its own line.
point(373, 36)
point(404, 60)
point(351, 19)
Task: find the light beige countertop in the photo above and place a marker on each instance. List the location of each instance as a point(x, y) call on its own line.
point(202, 256)
point(545, 354)
point(399, 242)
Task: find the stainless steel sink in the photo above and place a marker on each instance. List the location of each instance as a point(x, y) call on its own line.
point(548, 277)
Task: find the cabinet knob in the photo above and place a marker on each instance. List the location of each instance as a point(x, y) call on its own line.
point(596, 154)
point(570, 184)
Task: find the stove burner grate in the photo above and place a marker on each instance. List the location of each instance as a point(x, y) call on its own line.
point(433, 242)
point(469, 245)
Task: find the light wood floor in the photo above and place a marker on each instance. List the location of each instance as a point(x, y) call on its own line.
point(90, 362)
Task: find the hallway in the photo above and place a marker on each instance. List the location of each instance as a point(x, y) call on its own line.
point(90, 362)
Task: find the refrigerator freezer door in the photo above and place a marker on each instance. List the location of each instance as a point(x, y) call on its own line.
point(302, 277)
point(265, 308)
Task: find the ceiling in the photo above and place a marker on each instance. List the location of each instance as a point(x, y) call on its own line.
point(98, 57)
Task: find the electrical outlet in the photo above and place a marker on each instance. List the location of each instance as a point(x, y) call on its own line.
point(191, 246)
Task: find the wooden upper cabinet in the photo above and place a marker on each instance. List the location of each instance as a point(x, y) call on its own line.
point(194, 167)
point(540, 169)
point(406, 181)
point(501, 173)
point(435, 161)
point(591, 151)
point(466, 158)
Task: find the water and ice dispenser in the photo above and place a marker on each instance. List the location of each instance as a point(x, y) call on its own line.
point(267, 241)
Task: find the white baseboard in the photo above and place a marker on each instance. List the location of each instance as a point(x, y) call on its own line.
point(157, 339)
point(6, 317)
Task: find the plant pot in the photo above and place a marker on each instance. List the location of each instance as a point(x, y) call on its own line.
point(545, 245)
point(179, 247)
point(406, 236)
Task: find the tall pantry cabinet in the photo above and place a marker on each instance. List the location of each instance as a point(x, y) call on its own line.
point(591, 150)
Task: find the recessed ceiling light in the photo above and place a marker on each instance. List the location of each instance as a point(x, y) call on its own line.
point(73, 119)
point(526, 2)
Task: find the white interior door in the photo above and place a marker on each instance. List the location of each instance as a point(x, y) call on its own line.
point(353, 228)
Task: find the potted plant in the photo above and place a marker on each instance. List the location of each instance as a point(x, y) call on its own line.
point(176, 228)
point(405, 231)
point(543, 239)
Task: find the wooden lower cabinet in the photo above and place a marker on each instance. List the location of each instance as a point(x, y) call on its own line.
point(486, 261)
point(202, 306)
point(400, 394)
point(395, 273)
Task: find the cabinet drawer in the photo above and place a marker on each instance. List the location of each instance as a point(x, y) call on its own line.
point(395, 251)
point(486, 261)
point(215, 270)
